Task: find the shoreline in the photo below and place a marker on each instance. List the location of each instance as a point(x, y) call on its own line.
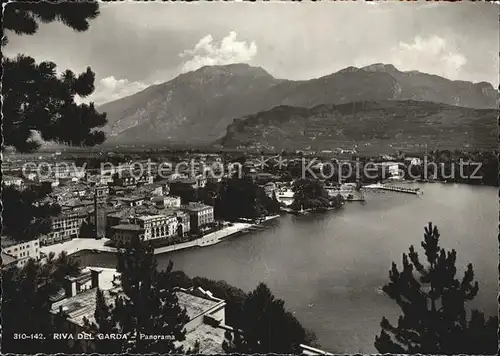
point(87, 244)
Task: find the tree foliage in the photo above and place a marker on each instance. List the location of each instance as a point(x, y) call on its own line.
point(237, 198)
point(104, 322)
point(433, 302)
point(266, 327)
point(309, 194)
point(23, 18)
point(38, 100)
point(25, 213)
point(26, 303)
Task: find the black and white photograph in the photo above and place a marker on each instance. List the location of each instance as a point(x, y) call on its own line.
point(250, 177)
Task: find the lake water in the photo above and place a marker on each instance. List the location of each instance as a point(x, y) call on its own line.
point(329, 267)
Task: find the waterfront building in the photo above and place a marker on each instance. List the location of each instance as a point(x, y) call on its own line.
point(183, 223)
point(18, 253)
point(157, 222)
point(124, 233)
point(121, 216)
point(348, 191)
point(157, 226)
point(199, 214)
point(65, 226)
point(285, 196)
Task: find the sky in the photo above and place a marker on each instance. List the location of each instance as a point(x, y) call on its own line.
point(131, 46)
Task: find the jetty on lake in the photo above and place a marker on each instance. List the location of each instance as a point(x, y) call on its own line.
point(393, 188)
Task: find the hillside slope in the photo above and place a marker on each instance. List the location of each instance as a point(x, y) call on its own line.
point(376, 124)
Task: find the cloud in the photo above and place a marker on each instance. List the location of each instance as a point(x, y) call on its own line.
point(432, 55)
point(208, 52)
point(110, 88)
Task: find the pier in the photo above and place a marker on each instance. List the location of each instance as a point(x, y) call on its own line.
point(395, 189)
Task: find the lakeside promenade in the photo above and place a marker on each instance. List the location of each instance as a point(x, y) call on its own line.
point(89, 244)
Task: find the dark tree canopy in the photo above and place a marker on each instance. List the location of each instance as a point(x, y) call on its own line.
point(23, 17)
point(236, 198)
point(38, 100)
point(266, 327)
point(105, 324)
point(25, 214)
point(433, 302)
point(26, 303)
point(309, 194)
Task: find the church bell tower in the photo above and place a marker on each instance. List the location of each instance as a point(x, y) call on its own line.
point(100, 194)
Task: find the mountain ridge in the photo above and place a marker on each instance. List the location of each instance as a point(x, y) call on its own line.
point(198, 106)
point(368, 125)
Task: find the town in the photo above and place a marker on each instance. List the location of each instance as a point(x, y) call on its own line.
point(107, 198)
point(193, 184)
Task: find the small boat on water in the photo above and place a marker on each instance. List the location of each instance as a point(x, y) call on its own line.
point(301, 211)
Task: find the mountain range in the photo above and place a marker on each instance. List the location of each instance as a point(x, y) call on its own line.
point(209, 104)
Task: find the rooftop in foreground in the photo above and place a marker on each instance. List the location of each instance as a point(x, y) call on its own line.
point(195, 305)
point(83, 304)
point(209, 338)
